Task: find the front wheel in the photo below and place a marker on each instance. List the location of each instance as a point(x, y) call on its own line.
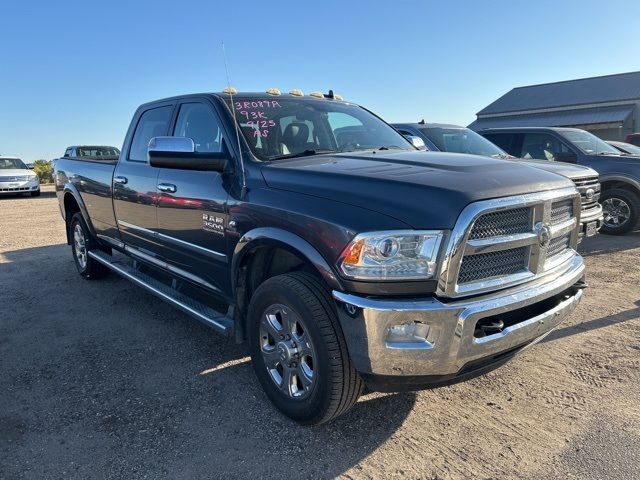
point(620, 209)
point(298, 350)
point(35, 193)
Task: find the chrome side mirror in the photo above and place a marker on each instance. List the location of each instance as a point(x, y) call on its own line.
point(170, 145)
point(416, 142)
point(179, 153)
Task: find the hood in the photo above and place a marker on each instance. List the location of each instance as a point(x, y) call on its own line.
point(565, 169)
point(421, 189)
point(11, 172)
point(618, 159)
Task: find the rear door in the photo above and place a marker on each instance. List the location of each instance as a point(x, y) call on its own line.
point(135, 182)
point(507, 141)
point(192, 205)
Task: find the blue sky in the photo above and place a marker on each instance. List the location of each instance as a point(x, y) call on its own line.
point(74, 72)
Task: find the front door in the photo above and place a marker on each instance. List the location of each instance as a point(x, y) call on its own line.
point(135, 182)
point(192, 205)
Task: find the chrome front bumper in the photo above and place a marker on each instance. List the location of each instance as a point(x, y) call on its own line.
point(451, 344)
point(594, 214)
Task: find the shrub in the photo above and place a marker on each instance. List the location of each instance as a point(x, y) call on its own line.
point(44, 170)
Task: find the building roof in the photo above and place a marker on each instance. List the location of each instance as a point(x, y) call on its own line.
point(584, 91)
point(583, 116)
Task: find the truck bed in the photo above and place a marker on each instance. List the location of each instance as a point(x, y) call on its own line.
point(92, 179)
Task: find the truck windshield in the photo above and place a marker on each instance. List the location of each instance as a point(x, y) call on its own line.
point(462, 140)
point(9, 163)
point(588, 142)
point(283, 127)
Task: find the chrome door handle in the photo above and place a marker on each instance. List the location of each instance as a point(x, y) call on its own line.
point(120, 180)
point(167, 187)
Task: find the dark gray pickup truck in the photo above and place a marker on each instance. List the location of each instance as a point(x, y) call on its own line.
point(310, 229)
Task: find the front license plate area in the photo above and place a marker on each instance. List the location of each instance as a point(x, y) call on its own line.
point(592, 229)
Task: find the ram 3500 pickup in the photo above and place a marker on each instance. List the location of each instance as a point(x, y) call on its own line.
point(310, 229)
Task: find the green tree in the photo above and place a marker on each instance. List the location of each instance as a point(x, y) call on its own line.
point(44, 170)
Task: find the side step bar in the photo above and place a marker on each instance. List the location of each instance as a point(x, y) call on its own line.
point(188, 305)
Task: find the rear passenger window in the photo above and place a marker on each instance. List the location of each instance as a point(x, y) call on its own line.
point(152, 123)
point(503, 140)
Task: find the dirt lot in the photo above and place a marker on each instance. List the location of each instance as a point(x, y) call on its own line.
point(100, 379)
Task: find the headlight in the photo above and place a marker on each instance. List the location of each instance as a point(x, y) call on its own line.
point(393, 255)
point(31, 178)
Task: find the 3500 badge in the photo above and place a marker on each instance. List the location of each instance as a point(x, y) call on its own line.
point(214, 224)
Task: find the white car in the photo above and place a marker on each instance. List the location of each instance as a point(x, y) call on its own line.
point(15, 177)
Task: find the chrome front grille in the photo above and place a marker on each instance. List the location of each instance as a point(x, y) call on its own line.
point(558, 245)
point(13, 178)
point(492, 264)
point(506, 222)
point(506, 241)
point(584, 185)
point(561, 211)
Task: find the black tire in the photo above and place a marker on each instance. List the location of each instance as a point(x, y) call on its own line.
point(89, 268)
point(629, 200)
point(336, 385)
point(36, 193)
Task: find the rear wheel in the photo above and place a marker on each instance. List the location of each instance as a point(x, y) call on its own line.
point(81, 244)
point(298, 350)
point(621, 209)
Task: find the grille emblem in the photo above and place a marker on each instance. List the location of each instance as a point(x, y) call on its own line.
point(590, 193)
point(544, 234)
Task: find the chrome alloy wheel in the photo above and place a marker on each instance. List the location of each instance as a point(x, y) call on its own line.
point(287, 351)
point(80, 246)
point(616, 212)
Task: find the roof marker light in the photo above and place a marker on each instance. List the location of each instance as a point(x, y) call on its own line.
point(273, 91)
point(296, 92)
point(316, 94)
point(230, 90)
point(337, 97)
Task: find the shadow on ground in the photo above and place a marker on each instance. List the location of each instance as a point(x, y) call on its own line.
point(103, 380)
point(607, 244)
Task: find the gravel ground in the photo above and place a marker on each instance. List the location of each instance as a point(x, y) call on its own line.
point(101, 380)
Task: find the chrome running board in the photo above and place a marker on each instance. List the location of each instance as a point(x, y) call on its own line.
point(207, 315)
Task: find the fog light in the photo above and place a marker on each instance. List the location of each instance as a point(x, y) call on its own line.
point(408, 333)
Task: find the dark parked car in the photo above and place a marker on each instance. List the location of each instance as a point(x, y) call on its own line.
point(633, 138)
point(455, 139)
point(627, 148)
point(619, 174)
point(310, 229)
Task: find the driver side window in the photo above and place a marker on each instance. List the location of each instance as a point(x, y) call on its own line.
point(542, 146)
point(198, 122)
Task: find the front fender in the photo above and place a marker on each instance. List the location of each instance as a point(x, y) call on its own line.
point(287, 240)
point(622, 178)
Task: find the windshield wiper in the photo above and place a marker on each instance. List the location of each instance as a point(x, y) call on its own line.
point(306, 153)
point(502, 155)
point(391, 147)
